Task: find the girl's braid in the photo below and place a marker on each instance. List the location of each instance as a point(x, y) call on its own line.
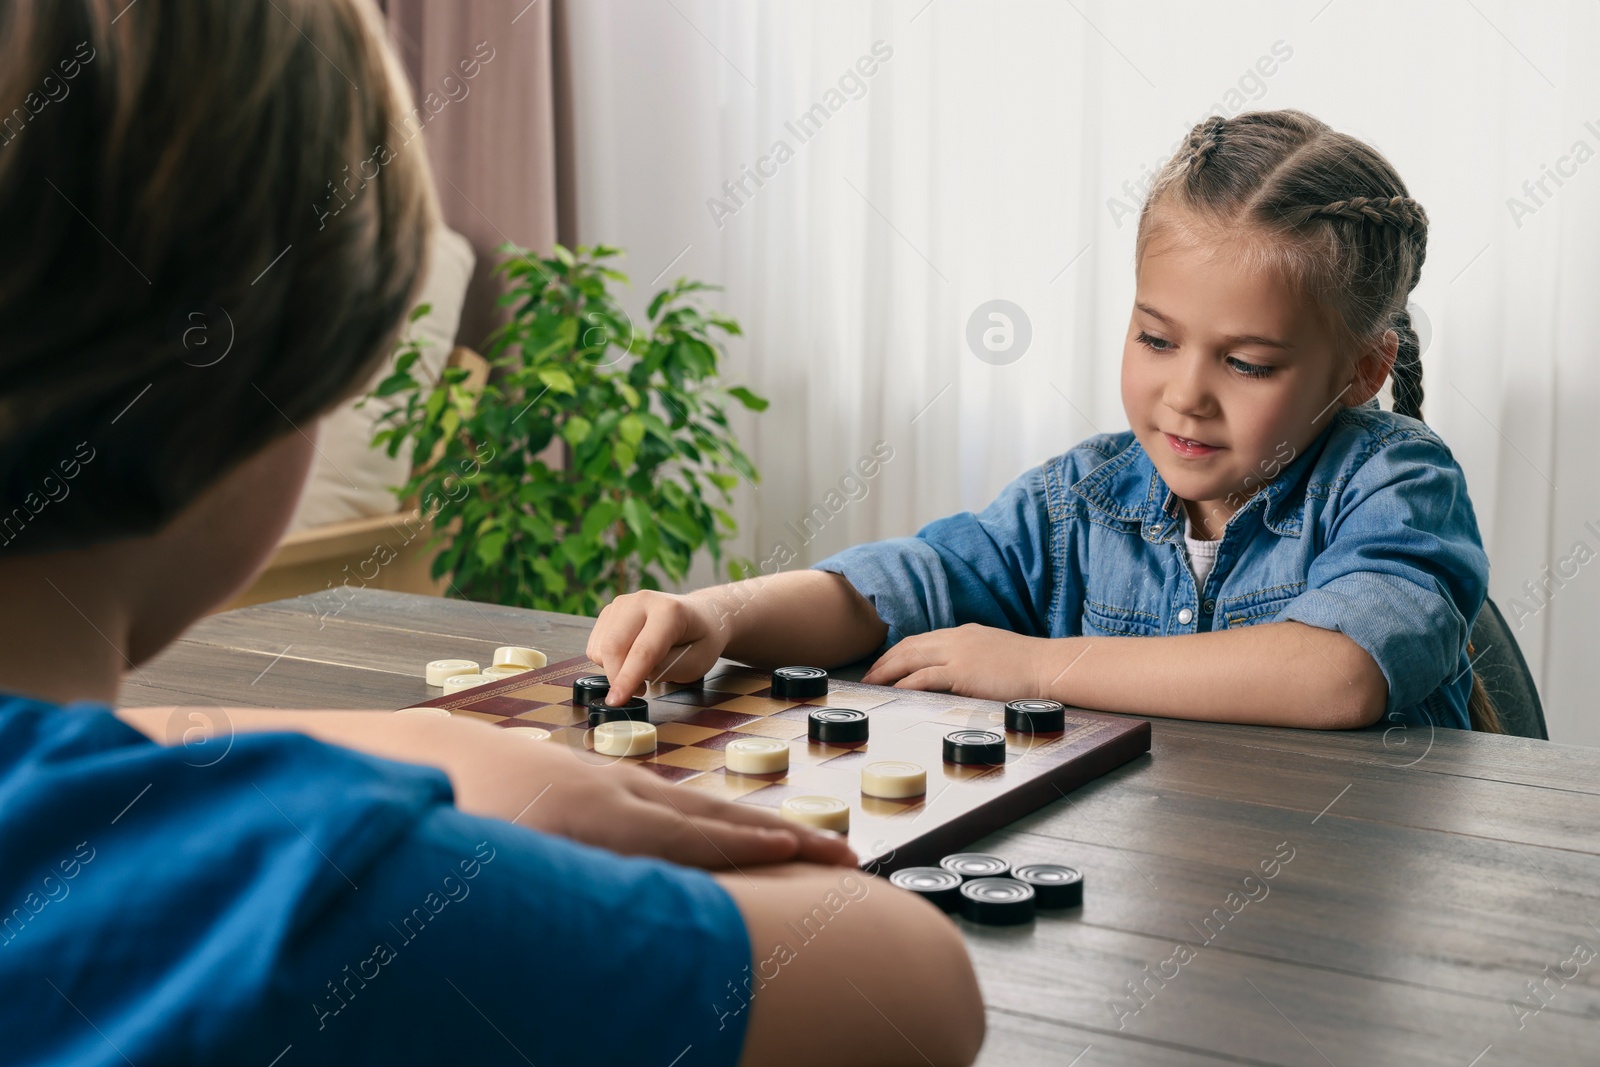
point(1203, 141)
point(1401, 219)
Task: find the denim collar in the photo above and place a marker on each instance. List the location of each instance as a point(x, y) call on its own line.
point(1128, 488)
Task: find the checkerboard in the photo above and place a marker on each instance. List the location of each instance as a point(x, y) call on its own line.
point(695, 722)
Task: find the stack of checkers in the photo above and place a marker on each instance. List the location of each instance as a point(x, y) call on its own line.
point(984, 889)
point(456, 675)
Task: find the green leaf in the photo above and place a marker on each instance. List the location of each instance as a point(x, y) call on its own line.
point(578, 552)
point(576, 431)
point(748, 399)
point(681, 527)
point(674, 562)
point(599, 519)
point(558, 381)
point(631, 428)
point(554, 580)
point(537, 527)
point(655, 305)
point(636, 516)
point(490, 546)
point(649, 545)
point(398, 382)
point(419, 311)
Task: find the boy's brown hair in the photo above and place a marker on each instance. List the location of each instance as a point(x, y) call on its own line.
point(205, 243)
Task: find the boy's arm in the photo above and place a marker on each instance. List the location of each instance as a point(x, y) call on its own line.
point(1272, 674)
point(886, 981)
point(540, 785)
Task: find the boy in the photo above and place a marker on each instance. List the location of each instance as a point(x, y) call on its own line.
point(366, 887)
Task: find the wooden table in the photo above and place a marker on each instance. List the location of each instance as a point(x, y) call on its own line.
point(1431, 879)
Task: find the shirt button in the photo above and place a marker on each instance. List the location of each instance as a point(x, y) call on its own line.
point(1209, 606)
point(1185, 616)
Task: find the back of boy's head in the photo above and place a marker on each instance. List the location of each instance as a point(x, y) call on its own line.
point(179, 181)
point(1326, 211)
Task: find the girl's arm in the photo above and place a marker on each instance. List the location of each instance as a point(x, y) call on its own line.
point(990, 567)
point(810, 617)
point(797, 617)
point(1272, 674)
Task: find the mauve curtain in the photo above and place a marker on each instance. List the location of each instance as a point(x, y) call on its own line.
point(483, 73)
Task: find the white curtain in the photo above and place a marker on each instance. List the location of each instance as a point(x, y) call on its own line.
point(998, 151)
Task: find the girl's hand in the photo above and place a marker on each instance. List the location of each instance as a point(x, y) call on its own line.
point(972, 660)
point(654, 636)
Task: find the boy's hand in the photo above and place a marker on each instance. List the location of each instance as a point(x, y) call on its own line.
point(543, 785)
point(974, 661)
point(657, 637)
point(631, 811)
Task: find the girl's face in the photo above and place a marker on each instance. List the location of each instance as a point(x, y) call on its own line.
point(1227, 376)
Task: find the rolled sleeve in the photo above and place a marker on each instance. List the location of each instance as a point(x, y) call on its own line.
point(992, 567)
point(1402, 572)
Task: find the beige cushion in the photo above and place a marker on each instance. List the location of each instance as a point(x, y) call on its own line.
point(349, 478)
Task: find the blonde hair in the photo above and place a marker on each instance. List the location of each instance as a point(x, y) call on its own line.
point(1326, 212)
point(159, 155)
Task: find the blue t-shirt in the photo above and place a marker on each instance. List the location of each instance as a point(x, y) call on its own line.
point(1369, 532)
point(289, 898)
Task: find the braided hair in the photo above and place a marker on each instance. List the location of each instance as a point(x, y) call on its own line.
point(1337, 222)
point(1395, 221)
point(1347, 229)
point(1203, 141)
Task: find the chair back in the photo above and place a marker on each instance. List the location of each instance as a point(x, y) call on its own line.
point(1505, 674)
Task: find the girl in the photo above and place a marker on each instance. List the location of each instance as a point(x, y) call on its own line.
point(1263, 545)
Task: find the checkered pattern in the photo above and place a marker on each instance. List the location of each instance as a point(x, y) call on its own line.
point(695, 722)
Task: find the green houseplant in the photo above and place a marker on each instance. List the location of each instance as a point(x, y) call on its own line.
point(650, 460)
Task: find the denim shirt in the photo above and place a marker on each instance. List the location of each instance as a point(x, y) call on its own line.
point(1369, 532)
